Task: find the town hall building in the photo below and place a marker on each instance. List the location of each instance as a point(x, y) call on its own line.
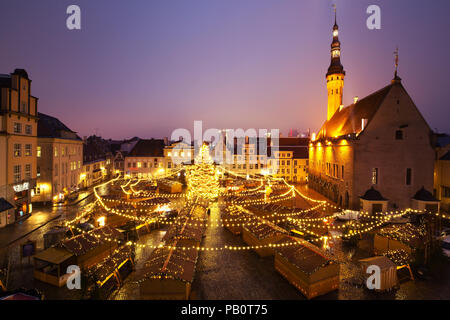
point(375, 154)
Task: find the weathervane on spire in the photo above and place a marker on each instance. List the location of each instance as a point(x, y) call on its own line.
point(334, 8)
point(396, 60)
point(396, 77)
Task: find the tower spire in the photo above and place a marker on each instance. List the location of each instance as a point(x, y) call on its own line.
point(335, 74)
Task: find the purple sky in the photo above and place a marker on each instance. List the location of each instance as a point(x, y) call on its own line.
point(147, 67)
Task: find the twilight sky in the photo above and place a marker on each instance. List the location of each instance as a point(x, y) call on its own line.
point(146, 67)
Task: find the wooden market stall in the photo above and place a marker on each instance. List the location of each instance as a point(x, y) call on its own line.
point(92, 247)
point(307, 267)
point(188, 232)
point(168, 274)
point(388, 271)
point(170, 186)
point(50, 265)
point(109, 273)
point(84, 250)
point(262, 234)
point(406, 237)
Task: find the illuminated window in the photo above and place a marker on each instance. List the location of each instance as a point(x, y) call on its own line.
point(139, 164)
point(375, 176)
point(17, 150)
point(56, 151)
point(38, 151)
point(28, 150)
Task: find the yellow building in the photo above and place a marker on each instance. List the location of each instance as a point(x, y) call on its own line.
point(177, 154)
point(18, 142)
point(59, 160)
point(290, 161)
point(335, 75)
point(146, 159)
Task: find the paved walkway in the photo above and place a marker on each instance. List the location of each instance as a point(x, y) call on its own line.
point(19, 230)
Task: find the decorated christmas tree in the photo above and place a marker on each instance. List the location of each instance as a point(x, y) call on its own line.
point(202, 178)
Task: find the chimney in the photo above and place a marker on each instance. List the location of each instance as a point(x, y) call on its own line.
point(355, 99)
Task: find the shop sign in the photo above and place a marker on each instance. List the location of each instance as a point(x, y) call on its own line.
point(21, 187)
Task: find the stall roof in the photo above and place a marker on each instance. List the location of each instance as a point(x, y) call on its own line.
point(110, 263)
point(54, 255)
point(176, 264)
point(185, 228)
point(264, 230)
point(305, 256)
point(381, 261)
point(85, 242)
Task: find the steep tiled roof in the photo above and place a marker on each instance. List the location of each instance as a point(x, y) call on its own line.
point(348, 120)
point(51, 127)
point(148, 148)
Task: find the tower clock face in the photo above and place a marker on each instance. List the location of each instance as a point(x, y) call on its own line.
point(336, 53)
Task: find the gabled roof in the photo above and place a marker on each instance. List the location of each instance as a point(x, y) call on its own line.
point(51, 127)
point(148, 148)
point(85, 242)
point(348, 120)
point(174, 263)
point(304, 256)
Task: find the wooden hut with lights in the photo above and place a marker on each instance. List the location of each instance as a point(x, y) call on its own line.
point(84, 250)
point(170, 186)
point(262, 233)
point(233, 219)
point(110, 273)
point(406, 237)
point(388, 271)
point(188, 232)
point(306, 267)
point(168, 274)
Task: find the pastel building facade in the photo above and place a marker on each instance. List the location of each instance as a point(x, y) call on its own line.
point(18, 142)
